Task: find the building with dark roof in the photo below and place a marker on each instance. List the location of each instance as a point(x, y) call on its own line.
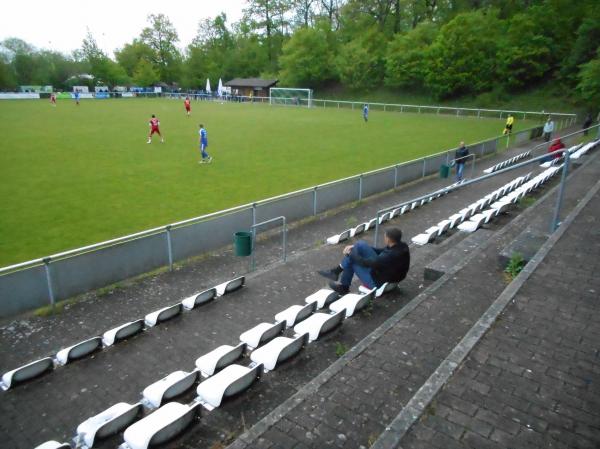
point(256, 87)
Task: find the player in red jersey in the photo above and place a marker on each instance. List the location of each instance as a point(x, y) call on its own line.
point(188, 106)
point(154, 128)
point(53, 99)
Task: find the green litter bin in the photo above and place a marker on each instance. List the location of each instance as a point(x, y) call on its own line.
point(444, 171)
point(243, 243)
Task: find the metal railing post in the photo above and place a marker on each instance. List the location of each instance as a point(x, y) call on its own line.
point(395, 176)
point(252, 248)
point(561, 191)
point(253, 214)
point(424, 166)
point(284, 243)
point(376, 237)
point(360, 187)
point(315, 201)
point(169, 246)
point(49, 280)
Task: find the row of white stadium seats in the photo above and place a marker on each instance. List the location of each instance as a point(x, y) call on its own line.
point(472, 211)
point(506, 163)
point(115, 335)
point(363, 227)
point(220, 377)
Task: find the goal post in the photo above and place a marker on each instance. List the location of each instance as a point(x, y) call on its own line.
point(291, 96)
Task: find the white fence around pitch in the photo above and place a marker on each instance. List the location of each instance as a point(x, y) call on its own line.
point(44, 281)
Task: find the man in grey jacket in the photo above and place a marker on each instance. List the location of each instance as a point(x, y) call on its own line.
point(548, 129)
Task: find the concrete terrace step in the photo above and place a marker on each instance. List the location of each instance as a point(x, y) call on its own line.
point(352, 402)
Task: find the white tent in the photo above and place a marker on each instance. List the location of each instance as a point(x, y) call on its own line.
point(220, 88)
point(208, 86)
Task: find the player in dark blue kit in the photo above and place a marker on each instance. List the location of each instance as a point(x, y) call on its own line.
point(366, 112)
point(203, 145)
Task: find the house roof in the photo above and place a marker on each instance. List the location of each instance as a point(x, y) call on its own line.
point(251, 82)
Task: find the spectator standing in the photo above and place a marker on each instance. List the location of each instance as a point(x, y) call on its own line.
point(460, 159)
point(548, 129)
point(587, 123)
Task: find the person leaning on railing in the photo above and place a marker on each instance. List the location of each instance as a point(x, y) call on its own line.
point(460, 159)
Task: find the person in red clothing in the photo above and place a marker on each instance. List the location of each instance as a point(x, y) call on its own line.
point(556, 145)
point(188, 106)
point(154, 128)
point(53, 99)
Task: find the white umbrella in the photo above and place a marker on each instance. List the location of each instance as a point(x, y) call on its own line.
point(207, 86)
point(220, 88)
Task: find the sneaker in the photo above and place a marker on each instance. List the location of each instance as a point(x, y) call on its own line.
point(339, 288)
point(202, 161)
point(149, 141)
point(209, 159)
point(329, 274)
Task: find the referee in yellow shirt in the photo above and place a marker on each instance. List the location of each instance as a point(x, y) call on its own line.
point(509, 124)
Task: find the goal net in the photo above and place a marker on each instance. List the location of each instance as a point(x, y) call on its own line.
point(291, 96)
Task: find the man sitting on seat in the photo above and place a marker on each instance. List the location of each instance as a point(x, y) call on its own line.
point(373, 266)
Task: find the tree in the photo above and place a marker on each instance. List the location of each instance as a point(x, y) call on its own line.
point(589, 81)
point(304, 11)
point(361, 62)
point(161, 37)
point(144, 74)
point(463, 57)
point(266, 15)
point(524, 54)
point(130, 55)
point(331, 10)
point(307, 59)
point(407, 55)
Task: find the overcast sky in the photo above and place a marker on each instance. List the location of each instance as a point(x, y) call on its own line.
point(61, 24)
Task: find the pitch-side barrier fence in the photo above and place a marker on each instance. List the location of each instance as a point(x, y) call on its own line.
point(36, 283)
point(564, 119)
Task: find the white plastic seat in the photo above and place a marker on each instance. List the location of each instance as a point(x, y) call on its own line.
point(219, 358)
point(443, 226)
point(106, 423)
point(122, 332)
point(160, 426)
point(426, 237)
point(199, 299)
point(358, 230)
point(296, 313)
point(488, 170)
point(318, 324)
point(26, 372)
point(351, 303)
point(455, 219)
point(78, 350)
point(335, 239)
point(230, 286)
point(473, 224)
point(278, 351)
point(323, 297)
point(386, 287)
point(261, 333)
point(404, 209)
point(414, 205)
point(395, 213)
point(488, 213)
point(161, 315)
point(385, 217)
point(170, 386)
point(53, 445)
point(371, 224)
point(232, 380)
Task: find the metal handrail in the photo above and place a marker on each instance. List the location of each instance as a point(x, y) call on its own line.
point(284, 242)
point(453, 187)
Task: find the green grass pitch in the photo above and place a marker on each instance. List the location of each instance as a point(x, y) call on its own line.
point(76, 175)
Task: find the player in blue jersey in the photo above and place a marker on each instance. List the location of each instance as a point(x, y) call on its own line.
point(366, 112)
point(77, 97)
point(203, 145)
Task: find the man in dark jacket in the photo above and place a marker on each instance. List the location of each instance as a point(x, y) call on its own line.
point(373, 266)
point(460, 159)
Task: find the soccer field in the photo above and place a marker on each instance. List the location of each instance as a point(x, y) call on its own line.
point(75, 175)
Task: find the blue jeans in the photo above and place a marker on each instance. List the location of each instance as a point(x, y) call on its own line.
point(364, 250)
point(460, 168)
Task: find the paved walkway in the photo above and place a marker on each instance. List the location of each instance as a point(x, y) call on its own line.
point(534, 380)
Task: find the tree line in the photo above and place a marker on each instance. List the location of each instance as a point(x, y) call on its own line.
point(446, 47)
